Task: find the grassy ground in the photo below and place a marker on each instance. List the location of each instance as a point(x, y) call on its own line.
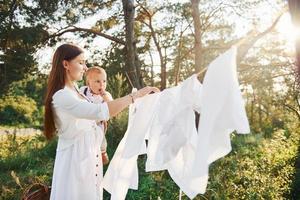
point(257, 168)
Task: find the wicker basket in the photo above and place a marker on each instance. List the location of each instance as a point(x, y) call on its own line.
point(37, 191)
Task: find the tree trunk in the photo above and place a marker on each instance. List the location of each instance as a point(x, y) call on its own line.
point(294, 6)
point(197, 27)
point(132, 62)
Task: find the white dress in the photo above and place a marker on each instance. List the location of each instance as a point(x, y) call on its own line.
point(78, 165)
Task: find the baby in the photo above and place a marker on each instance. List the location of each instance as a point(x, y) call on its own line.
point(95, 91)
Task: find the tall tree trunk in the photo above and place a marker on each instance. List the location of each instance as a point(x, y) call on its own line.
point(132, 62)
point(197, 27)
point(294, 6)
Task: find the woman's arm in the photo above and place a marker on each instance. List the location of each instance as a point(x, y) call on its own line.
point(117, 105)
point(69, 102)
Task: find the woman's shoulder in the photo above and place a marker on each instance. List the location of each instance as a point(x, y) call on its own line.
point(62, 94)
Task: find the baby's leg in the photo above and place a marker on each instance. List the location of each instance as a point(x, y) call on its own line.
point(105, 159)
point(104, 144)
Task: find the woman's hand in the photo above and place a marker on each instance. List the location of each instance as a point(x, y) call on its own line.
point(144, 91)
point(119, 104)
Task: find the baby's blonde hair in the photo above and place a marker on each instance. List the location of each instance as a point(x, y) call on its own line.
point(95, 69)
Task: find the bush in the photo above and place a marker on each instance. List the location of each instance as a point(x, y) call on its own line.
point(257, 168)
point(31, 86)
point(15, 110)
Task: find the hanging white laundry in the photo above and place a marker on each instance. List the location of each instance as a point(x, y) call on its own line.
point(173, 128)
point(222, 112)
point(167, 120)
point(154, 118)
point(122, 173)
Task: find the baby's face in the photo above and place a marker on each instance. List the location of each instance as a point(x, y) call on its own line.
point(97, 82)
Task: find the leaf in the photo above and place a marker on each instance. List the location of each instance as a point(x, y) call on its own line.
point(16, 178)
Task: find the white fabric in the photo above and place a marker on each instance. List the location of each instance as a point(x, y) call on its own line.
point(122, 172)
point(167, 120)
point(78, 155)
point(222, 112)
point(146, 122)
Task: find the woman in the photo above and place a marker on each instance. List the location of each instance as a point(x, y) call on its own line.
point(78, 168)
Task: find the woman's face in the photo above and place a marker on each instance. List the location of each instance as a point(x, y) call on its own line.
point(75, 67)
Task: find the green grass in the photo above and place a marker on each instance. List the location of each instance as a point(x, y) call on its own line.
point(257, 167)
point(23, 161)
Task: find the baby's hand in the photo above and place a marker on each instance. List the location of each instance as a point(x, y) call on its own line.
point(106, 96)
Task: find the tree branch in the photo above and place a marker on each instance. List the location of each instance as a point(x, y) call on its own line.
point(293, 109)
point(91, 31)
point(244, 48)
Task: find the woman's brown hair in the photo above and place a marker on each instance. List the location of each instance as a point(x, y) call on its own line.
point(56, 81)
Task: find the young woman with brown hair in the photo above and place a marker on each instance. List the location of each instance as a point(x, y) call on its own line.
point(69, 115)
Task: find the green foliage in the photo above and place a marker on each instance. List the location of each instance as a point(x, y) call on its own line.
point(31, 86)
point(24, 160)
point(257, 168)
point(16, 110)
point(116, 130)
point(19, 37)
point(22, 104)
point(117, 85)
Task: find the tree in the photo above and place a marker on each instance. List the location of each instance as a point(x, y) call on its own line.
point(145, 16)
point(294, 6)
point(19, 37)
point(132, 61)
